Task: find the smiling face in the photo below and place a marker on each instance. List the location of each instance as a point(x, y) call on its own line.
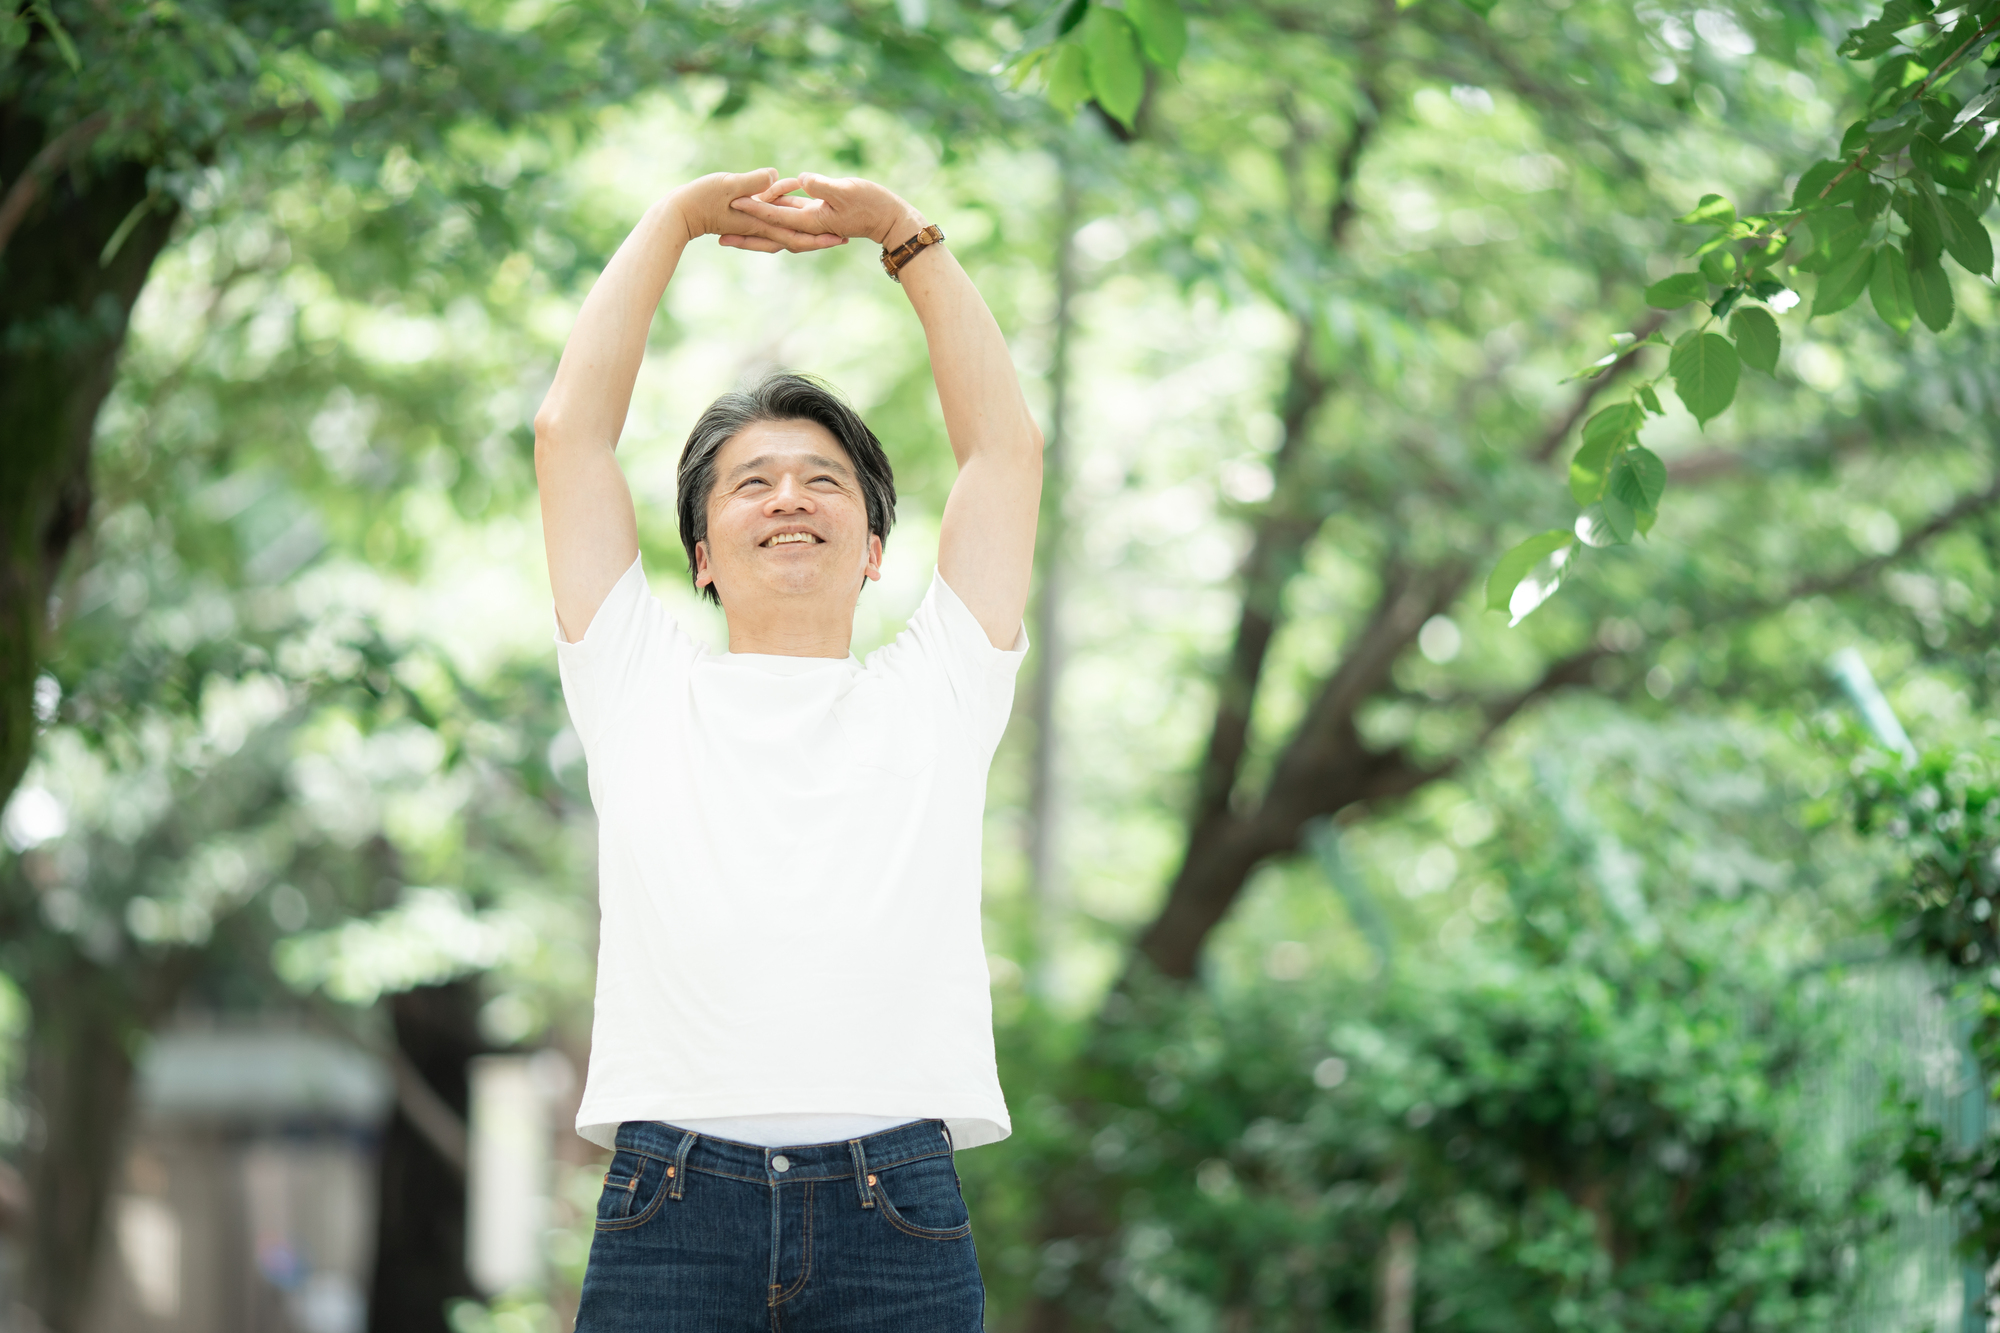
point(787, 519)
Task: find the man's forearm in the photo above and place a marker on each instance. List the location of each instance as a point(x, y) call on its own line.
point(592, 391)
point(984, 411)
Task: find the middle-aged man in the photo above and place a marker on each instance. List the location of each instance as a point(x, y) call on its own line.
point(793, 1031)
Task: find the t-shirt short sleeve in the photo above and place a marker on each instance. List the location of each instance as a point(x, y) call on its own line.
point(949, 640)
point(630, 640)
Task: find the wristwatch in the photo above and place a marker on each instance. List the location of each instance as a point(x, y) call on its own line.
point(893, 260)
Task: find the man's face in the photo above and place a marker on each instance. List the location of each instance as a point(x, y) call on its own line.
point(786, 519)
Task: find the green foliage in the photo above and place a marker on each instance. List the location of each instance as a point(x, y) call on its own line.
point(1705, 368)
point(1603, 1114)
point(1925, 154)
point(1941, 815)
point(1092, 51)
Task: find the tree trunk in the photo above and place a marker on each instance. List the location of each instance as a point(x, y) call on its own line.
point(88, 1021)
point(420, 1238)
point(65, 300)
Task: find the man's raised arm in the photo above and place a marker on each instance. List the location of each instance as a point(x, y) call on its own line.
point(587, 520)
point(986, 547)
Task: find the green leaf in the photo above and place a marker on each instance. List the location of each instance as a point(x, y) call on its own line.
point(1587, 469)
point(1618, 517)
point(1705, 368)
point(1603, 433)
point(1117, 76)
point(1593, 528)
point(1930, 293)
point(1713, 210)
point(1072, 15)
point(1069, 77)
point(1757, 339)
point(1952, 162)
point(1926, 221)
point(1679, 290)
point(1727, 302)
point(1816, 189)
point(1483, 8)
point(1889, 290)
point(1966, 237)
point(1162, 30)
point(1614, 423)
point(1637, 478)
point(1843, 283)
point(1651, 400)
point(1873, 199)
point(1515, 565)
point(45, 14)
point(1718, 266)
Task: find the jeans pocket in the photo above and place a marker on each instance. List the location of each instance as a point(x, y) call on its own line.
point(633, 1187)
point(922, 1199)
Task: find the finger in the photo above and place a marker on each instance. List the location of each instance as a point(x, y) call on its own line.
point(818, 186)
point(750, 243)
point(778, 187)
point(750, 182)
point(774, 215)
point(812, 243)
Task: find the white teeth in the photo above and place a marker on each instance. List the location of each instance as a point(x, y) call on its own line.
point(789, 538)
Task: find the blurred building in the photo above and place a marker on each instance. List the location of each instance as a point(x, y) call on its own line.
point(246, 1201)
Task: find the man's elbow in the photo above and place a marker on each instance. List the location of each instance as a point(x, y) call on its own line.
point(548, 437)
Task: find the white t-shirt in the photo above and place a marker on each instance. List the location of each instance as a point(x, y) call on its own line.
point(789, 872)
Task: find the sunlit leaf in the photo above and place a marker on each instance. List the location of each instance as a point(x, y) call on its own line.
point(1677, 291)
point(1162, 30)
point(1638, 478)
point(1713, 210)
point(1069, 77)
point(1757, 339)
point(1705, 368)
point(1515, 565)
point(1117, 75)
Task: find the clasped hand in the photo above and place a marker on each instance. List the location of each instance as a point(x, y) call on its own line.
point(757, 210)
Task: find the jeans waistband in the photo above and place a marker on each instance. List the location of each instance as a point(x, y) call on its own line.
point(813, 1161)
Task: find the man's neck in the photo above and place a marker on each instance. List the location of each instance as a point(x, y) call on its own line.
point(790, 635)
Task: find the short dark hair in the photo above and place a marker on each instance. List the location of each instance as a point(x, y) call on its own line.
point(784, 396)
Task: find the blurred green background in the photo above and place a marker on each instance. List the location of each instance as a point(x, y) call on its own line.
point(1360, 961)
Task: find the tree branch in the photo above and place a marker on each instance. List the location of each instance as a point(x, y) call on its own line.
point(56, 154)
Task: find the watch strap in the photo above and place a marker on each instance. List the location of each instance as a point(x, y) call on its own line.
point(893, 260)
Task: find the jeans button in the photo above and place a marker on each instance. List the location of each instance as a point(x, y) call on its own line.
point(781, 1163)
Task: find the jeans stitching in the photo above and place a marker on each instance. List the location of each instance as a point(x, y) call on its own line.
point(806, 1265)
point(959, 1232)
point(627, 1223)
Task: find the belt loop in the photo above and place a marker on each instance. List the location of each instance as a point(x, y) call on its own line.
point(679, 1170)
point(863, 1182)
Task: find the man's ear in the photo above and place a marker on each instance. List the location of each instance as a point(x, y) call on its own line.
point(874, 570)
point(703, 576)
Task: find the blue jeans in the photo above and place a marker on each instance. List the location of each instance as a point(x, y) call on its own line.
point(701, 1235)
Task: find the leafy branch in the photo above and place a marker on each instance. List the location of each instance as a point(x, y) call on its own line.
point(1908, 188)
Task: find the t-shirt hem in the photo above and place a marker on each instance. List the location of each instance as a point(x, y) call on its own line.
point(970, 1126)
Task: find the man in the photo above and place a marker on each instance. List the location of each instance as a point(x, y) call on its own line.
point(793, 1030)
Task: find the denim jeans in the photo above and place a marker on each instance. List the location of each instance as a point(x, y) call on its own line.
point(701, 1234)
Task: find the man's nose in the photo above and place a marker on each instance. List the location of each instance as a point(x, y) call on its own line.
point(788, 496)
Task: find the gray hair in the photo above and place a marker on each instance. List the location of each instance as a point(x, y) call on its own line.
point(780, 397)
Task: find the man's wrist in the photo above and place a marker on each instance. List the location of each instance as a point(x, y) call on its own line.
point(675, 228)
point(907, 224)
